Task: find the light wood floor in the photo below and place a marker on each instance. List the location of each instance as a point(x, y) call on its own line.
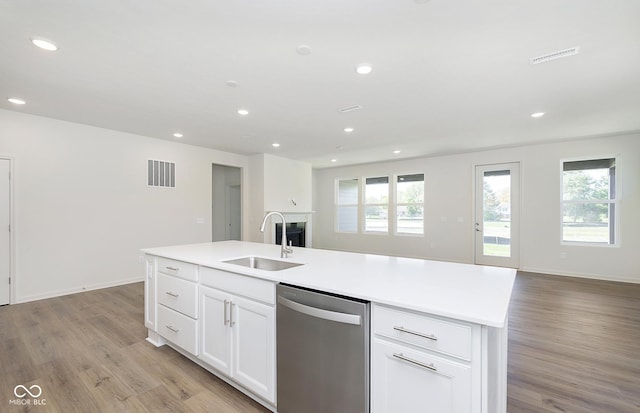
point(574, 346)
point(88, 353)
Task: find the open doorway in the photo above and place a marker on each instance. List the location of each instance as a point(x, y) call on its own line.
point(226, 203)
point(5, 231)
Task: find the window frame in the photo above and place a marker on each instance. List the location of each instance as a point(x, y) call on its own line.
point(337, 205)
point(397, 204)
point(365, 205)
point(615, 226)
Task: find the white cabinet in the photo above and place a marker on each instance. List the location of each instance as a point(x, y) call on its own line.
point(150, 293)
point(215, 331)
point(421, 363)
point(171, 303)
point(238, 333)
point(412, 381)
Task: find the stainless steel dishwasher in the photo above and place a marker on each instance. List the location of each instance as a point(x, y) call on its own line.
point(323, 352)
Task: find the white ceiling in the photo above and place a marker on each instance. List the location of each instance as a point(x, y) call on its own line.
point(448, 75)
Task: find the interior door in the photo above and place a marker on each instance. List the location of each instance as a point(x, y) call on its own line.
point(497, 214)
point(5, 231)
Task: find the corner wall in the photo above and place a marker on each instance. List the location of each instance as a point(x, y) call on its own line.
point(82, 208)
point(449, 189)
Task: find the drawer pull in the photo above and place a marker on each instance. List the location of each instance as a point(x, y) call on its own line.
point(172, 268)
point(231, 322)
point(415, 333)
point(175, 330)
point(174, 295)
point(430, 367)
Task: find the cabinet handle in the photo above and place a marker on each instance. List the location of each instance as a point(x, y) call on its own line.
point(172, 268)
point(429, 367)
point(175, 330)
point(415, 333)
point(174, 295)
point(226, 319)
point(231, 322)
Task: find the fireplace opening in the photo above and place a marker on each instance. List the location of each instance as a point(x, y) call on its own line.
point(295, 233)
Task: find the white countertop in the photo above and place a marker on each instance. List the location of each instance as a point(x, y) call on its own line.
point(473, 293)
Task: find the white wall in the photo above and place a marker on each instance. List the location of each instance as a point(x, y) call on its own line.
point(449, 200)
point(82, 207)
point(275, 182)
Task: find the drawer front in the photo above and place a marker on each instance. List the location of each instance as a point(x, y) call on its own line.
point(243, 285)
point(432, 333)
point(178, 329)
point(178, 269)
point(404, 379)
point(178, 294)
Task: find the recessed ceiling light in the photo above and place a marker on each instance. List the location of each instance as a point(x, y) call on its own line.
point(334, 160)
point(537, 115)
point(364, 69)
point(178, 135)
point(348, 130)
point(243, 112)
point(16, 101)
point(275, 145)
point(397, 151)
point(304, 49)
point(232, 83)
point(44, 44)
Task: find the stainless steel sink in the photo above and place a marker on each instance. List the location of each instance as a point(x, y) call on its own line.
point(263, 263)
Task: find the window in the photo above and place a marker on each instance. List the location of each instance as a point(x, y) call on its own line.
point(589, 201)
point(376, 204)
point(347, 205)
point(410, 204)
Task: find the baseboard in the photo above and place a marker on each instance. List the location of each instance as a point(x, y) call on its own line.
point(60, 293)
point(600, 277)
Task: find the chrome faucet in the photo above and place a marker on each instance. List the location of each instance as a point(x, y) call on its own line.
point(284, 248)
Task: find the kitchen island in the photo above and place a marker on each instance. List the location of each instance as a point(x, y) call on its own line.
point(431, 313)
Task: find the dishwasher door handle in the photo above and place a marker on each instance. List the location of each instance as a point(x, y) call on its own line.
point(320, 313)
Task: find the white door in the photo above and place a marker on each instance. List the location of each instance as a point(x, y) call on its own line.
point(5, 231)
point(410, 381)
point(214, 327)
point(253, 326)
point(497, 214)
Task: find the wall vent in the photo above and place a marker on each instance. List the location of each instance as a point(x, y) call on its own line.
point(161, 173)
point(555, 55)
point(350, 108)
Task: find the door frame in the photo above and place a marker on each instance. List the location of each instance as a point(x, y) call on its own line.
point(12, 238)
point(516, 182)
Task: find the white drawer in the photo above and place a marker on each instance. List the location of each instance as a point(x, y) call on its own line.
point(432, 333)
point(178, 268)
point(178, 329)
point(178, 294)
point(243, 285)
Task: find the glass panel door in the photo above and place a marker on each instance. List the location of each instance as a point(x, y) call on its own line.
point(496, 225)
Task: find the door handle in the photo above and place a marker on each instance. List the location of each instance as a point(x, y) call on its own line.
point(320, 313)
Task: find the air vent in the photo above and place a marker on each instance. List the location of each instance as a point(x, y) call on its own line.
point(350, 108)
point(161, 173)
point(555, 55)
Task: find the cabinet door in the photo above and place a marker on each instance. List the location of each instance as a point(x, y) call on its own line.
point(410, 381)
point(150, 294)
point(214, 329)
point(253, 326)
